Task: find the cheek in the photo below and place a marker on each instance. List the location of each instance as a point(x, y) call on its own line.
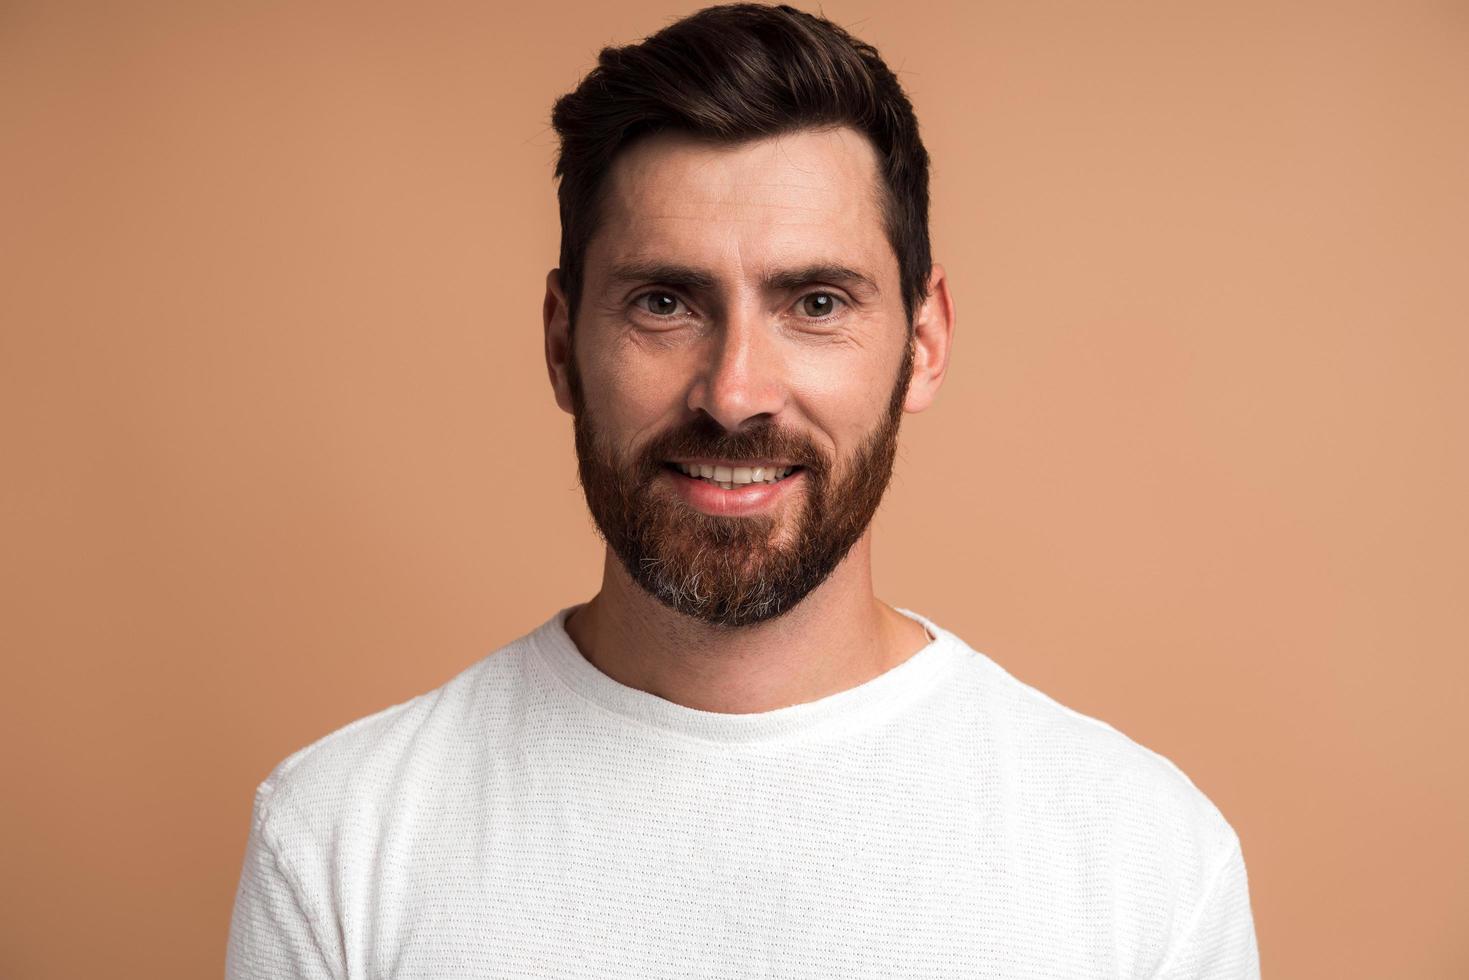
point(631, 395)
point(844, 398)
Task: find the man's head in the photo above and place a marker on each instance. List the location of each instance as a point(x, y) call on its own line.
point(745, 289)
point(731, 74)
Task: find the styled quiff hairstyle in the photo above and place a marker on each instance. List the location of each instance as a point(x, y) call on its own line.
point(735, 73)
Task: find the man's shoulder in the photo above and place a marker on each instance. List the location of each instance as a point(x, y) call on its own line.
point(365, 765)
point(1073, 771)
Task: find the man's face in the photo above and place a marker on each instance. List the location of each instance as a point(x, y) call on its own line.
point(740, 362)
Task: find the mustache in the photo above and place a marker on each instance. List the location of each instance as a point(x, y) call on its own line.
point(703, 436)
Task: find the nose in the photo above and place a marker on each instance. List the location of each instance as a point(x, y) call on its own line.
point(742, 375)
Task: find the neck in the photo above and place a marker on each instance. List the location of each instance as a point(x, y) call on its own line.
point(839, 636)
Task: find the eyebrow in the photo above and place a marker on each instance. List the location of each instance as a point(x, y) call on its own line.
point(687, 277)
point(837, 275)
point(665, 274)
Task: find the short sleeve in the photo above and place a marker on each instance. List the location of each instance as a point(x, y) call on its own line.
point(1220, 942)
point(271, 933)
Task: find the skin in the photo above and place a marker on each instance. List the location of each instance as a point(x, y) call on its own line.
point(737, 348)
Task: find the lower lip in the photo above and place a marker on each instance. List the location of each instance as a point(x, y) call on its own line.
point(751, 498)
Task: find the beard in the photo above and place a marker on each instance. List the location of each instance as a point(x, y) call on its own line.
point(733, 572)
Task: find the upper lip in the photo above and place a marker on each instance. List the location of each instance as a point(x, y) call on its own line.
point(704, 461)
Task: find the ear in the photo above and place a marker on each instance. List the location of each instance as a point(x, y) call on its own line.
point(933, 333)
point(556, 316)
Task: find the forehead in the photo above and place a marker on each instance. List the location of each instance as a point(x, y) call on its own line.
point(813, 194)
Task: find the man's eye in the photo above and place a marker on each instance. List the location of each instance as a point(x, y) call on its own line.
point(818, 305)
point(659, 304)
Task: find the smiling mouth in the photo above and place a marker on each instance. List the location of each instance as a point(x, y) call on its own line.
point(732, 477)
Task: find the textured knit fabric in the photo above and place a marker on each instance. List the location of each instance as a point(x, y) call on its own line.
point(535, 818)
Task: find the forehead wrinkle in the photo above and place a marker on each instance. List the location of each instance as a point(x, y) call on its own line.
point(743, 203)
point(660, 189)
point(762, 221)
point(671, 199)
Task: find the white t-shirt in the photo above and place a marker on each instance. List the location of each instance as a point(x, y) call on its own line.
point(535, 818)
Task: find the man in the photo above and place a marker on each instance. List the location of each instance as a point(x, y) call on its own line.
point(734, 760)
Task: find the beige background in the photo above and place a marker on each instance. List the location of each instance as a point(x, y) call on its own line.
point(278, 448)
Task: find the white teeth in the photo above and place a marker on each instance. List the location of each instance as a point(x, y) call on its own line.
point(729, 477)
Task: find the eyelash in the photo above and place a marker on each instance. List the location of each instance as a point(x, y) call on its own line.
point(837, 303)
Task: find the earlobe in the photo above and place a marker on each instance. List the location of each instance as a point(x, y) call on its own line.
point(933, 332)
point(556, 319)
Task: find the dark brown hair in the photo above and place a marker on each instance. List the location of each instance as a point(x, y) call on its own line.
point(734, 73)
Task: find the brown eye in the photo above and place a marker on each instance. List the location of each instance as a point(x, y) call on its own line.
point(660, 304)
point(818, 305)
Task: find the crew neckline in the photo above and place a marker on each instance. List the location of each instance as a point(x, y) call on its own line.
point(866, 703)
